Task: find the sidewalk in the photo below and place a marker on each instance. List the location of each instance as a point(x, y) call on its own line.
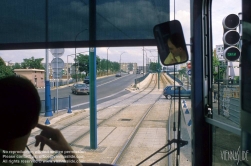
point(70, 84)
point(147, 138)
point(186, 123)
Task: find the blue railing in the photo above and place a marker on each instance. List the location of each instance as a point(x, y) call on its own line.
point(174, 78)
point(53, 83)
point(63, 103)
point(229, 102)
point(138, 80)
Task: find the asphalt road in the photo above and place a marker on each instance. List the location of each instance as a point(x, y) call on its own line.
point(108, 88)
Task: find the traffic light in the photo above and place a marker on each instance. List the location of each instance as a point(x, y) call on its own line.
point(231, 37)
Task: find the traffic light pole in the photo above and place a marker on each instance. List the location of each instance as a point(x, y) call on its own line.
point(158, 72)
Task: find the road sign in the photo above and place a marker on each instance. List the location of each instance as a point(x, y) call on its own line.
point(189, 72)
point(189, 66)
point(57, 75)
point(92, 49)
point(57, 52)
point(57, 63)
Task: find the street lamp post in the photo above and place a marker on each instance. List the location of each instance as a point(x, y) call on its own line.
point(76, 53)
point(146, 62)
point(107, 61)
point(143, 61)
point(68, 70)
point(147, 58)
point(120, 61)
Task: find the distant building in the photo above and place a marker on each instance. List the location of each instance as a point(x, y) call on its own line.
point(172, 68)
point(67, 68)
point(126, 67)
point(36, 76)
point(140, 69)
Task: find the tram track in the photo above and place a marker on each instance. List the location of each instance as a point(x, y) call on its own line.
point(107, 118)
point(123, 151)
point(86, 116)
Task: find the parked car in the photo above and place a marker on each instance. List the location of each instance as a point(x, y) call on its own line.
point(118, 75)
point(80, 88)
point(87, 80)
point(171, 91)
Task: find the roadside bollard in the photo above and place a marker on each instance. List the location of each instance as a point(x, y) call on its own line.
point(189, 123)
point(69, 108)
point(47, 122)
point(184, 106)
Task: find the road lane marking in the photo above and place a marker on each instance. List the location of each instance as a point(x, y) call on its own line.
point(98, 99)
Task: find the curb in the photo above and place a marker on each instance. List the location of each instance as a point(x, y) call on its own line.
point(187, 115)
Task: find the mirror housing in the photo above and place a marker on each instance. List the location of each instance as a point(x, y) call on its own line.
point(170, 43)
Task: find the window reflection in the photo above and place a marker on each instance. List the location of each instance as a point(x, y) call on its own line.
point(227, 149)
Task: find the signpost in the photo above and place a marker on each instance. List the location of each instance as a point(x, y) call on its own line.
point(189, 72)
point(57, 64)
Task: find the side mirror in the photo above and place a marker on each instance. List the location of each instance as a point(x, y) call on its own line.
point(170, 43)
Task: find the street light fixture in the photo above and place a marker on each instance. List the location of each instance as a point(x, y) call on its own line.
point(143, 61)
point(68, 70)
point(147, 57)
point(75, 52)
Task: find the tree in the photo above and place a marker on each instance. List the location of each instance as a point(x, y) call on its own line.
point(5, 70)
point(115, 66)
point(182, 72)
point(82, 63)
point(16, 66)
point(103, 64)
point(2, 63)
point(32, 63)
point(217, 65)
point(154, 66)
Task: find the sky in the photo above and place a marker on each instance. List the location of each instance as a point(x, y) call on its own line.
point(220, 9)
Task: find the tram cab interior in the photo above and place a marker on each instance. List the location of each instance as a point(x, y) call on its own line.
point(218, 129)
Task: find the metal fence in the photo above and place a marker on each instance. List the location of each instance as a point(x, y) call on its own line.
point(63, 103)
point(229, 102)
point(53, 83)
point(174, 78)
point(138, 80)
